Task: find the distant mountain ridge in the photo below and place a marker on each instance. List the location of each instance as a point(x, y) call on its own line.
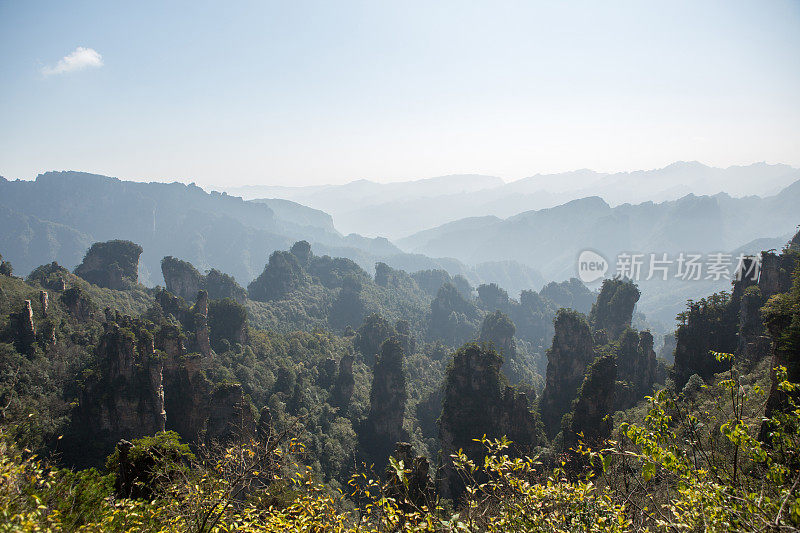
point(397, 210)
point(550, 240)
point(57, 216)
point(552, 237)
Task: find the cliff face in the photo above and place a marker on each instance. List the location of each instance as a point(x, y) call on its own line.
point(667, 351)
point(476, 403)
point(186, 390)
point(781, 316)
point(79, 306)
point(184, 280)
point(181, 277)
point(732, 324)
point(498, 329)
point(112, 264)
point(775, 275)
point(150, 376)
point(124, 398)
point(227, 321)
point(754, 343)
point(416, 489)
point(708, 324)
point(637, 369)
point(230, 417)
point(613, 310)
point(23, 327)
point(383, 427)
point(371, 336)
point(345, 383)
point(591, 412)
point(567, 360)
point(217, 323)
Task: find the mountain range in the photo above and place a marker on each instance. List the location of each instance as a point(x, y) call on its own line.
point(397, 210)
point(57, 216)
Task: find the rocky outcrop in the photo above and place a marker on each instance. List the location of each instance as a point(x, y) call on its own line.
point(371, 336)
point(230, 417)
point(51, 276)
point(112, 264)
point(637, 368)
point(590, 421)
point(184, 280)
point(499, 330)
point(667, 351)
point(79, 306)
point(387, 405)
point(220, 285)
point(710, 324)
point(567, 360)
point(202, 334)
point(302, 251)
point(227, 321)
point(187, 394)
point(124, 397)
point(454, 319)
point(414, 489)
point(345, 383)
point(753, 342)
point(44, 302)
point(220, 324)
point(775, 275)
point(5, 267)
point(282, 275)
point(782, 320)
point(181, 277)
point(493, 297)
point(476, 403)
point(23, 327)
point(613, 310)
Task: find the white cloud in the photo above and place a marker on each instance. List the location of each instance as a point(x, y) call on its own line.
point(81, 58)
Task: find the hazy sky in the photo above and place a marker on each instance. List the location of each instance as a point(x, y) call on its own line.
point(297, 92)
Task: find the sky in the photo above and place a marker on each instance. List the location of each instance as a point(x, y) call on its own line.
point(304, 93)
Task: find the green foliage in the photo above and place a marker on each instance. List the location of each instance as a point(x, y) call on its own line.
point(708, 324)
point(570, 294)
point(5, 268)
point(696, 469)
point(227, 320)
point(371, 335)
point(145, 465)
point(282, 275)
point(453, 318)
point(613, 310)
point(782, 319)
point(113, 264)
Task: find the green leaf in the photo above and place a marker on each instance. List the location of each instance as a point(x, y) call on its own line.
point(648, 471)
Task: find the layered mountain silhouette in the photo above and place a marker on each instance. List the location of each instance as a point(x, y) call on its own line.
point(396, 210)
point(57, 216)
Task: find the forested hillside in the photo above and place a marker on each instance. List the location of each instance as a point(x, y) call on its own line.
point(317, 376)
